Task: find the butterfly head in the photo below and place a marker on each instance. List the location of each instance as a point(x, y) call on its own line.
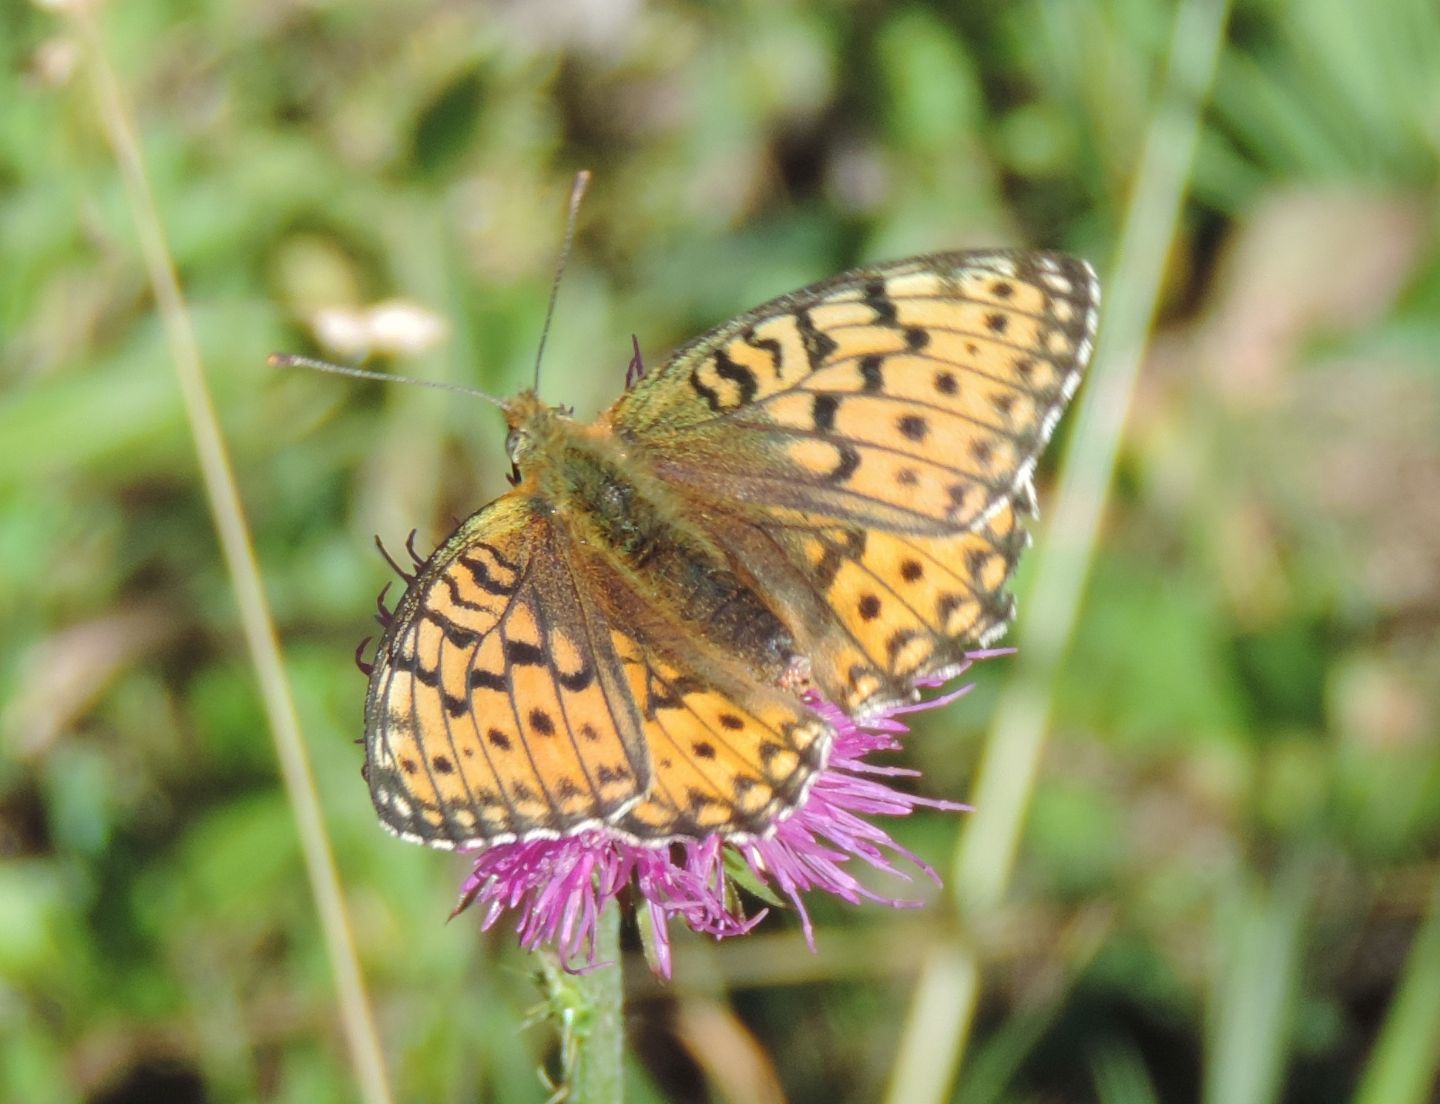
point(535, 427)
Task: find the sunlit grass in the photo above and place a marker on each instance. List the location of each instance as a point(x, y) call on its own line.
point(1216, 882)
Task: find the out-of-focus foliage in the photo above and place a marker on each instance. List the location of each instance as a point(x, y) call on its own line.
point(1247, 743)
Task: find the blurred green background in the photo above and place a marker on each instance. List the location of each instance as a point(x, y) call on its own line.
point(1227, 884)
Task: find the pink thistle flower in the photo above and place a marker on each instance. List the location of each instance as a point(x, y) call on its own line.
point(557, 888)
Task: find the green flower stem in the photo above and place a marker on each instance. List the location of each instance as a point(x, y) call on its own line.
point(600, 1074)
point(588, 1009)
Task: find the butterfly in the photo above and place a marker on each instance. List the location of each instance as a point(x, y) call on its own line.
point(821, 497)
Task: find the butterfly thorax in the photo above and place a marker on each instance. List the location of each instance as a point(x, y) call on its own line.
point(603, 494)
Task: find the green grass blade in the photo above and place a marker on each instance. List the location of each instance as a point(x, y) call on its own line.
point(940, 1016)
point(233, 531)
point(1406, 1060)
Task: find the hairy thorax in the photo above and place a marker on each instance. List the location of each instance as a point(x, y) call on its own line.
point(617, 510)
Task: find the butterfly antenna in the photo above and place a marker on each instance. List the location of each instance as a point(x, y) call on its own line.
point(287, 360)
point(577, 193)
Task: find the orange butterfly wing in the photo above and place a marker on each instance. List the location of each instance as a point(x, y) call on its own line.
point(914, 396)
point(495, 710)
point(863, 449)
point(854, 457)
point(507, 701)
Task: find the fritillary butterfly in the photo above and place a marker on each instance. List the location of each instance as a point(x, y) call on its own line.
point(823, 495)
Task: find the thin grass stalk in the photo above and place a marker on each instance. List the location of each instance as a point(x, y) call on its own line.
point(1404, 1064)
point(1260, 940)
point(938, 1024)
point(255, 618)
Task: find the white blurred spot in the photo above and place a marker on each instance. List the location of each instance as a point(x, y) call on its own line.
point(391, 328)
point(53, 62)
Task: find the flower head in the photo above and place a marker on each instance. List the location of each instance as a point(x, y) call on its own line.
point(556, 888)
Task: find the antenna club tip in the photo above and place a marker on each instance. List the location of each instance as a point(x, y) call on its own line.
point(579, 188)
point(280, 360)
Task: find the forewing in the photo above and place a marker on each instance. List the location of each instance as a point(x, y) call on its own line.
point(497, 709)
point(914, 396)
point(523, 689)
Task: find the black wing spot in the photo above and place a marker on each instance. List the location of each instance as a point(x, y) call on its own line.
point(410, 663)
point(566, 788)
point(696, 800)
point(869, 607)
point(872, 375)
point(916, 338)
point(975, 561)
point(704, 390)
point(737, 374)
point(498, 740)
point(1002, 289)
point(914, 427)
point(1003, 402)
point(442, 765)
point(480, 573)
point(907, 477)
point(982, 450)
point(576, 681)
point(880, 302)
point(541, 723)
point(997, 323)
point(945, 383)
point(828, 566)
point(588, 733)
point(845, 467)
point(732, 722)
point(486, 680)
point(911, 570)
point(897, 642)
point(767, 345)
point(409, 766)
point(703, 749)
point(818, 345)
point(822, 411)
point(523, 654)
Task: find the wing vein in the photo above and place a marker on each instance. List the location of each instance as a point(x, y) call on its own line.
point(543, 622)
